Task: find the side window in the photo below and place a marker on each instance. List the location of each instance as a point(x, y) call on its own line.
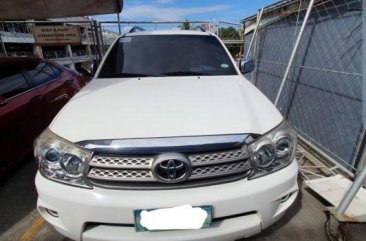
point(12, 81)
point(41, 72)
point(56, 71)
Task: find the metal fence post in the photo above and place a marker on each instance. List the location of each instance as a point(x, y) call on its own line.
point(99, 47)
point(3, 47)
point(95, 54)
point(119, 24)
point(102, 38)
point(259, 17)
point(219, 30)
point(362, 163)
point(351, 192)
point(293, 54)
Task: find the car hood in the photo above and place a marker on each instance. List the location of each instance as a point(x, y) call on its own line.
point(165, 107)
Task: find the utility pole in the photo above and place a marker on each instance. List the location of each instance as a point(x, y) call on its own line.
point(5, 54)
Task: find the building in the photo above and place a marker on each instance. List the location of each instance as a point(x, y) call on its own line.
point(16, 39)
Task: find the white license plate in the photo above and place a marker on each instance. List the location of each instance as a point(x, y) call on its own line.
point(176, 218)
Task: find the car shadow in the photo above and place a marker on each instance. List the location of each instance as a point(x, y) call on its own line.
point(18, 195)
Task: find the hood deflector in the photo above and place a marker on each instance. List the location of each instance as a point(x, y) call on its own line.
point(168, 144)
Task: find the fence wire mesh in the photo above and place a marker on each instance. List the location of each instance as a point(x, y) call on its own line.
point(221, 25)
point(111, 29)
point(322, 96)
point(230, 33)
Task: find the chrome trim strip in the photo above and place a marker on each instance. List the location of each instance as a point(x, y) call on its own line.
point(167, 144)
point(163, 186)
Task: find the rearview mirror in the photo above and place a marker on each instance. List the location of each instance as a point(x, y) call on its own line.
point(246, 65)
point(89, 68)
point(3, 101)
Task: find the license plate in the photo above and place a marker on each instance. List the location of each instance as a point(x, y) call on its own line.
point(176, 218)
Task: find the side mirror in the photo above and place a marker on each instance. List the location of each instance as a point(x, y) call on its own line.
point(3, 101)
point(89, 68)
point(246, 65)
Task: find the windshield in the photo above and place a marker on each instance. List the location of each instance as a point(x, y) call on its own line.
point(167, 55)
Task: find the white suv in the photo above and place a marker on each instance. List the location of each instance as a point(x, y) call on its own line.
point(168, 137)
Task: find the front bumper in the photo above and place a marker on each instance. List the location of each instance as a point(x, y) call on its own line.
point(240, 209)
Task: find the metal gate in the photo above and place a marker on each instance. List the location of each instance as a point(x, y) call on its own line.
point(322, 96)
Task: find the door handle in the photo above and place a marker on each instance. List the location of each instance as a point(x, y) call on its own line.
point(3, 102)
point(61, 98)
point(67, 82)
point(36, 99)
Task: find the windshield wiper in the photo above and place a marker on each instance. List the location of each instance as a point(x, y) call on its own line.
point(184, 73)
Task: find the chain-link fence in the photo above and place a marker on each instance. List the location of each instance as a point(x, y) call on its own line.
point(222, 26)
point(224, 30)
point(112, 29)
point(231, 34)
point(322, 96)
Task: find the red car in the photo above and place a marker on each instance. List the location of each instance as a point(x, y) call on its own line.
point(32, 91)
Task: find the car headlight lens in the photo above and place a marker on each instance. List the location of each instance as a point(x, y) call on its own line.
point(283, 147)
point(264, 154)
point(273, 151)
point(61, 160)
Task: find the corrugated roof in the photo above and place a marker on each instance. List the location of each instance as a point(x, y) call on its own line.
point(274, 9)
point(41, 9)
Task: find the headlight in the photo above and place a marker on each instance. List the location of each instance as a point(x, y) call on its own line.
point(61, 160)
point(273, 151)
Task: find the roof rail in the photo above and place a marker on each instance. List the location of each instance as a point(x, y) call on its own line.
point(199, 28)
point(135, 29)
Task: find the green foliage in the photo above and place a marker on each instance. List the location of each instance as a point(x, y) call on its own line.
point(229, 33)
point(232, 34)
point(185, 25)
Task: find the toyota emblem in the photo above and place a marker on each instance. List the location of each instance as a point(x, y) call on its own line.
point(172, 168)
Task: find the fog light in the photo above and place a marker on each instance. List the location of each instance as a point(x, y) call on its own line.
point(285, 198)
point(52, 213)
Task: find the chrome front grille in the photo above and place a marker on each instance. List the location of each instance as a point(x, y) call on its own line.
point(220, 170)
point(138, 170)
point(121, 162)
point(218, 157)
point(121, 175)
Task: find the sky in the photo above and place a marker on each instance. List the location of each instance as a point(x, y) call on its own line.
point(174, 10)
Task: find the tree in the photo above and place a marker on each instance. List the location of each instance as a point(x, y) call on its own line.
point(229, 33)
point(232, 34)
point(185, 25)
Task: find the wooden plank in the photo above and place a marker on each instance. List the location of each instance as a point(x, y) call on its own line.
point(333, 189)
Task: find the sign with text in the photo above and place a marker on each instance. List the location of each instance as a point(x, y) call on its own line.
point(55, 35)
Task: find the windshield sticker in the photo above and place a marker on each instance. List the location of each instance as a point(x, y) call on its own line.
point(224, 66)
point(125, 40)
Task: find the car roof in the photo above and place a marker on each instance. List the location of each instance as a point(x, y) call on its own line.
point(169, 32)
